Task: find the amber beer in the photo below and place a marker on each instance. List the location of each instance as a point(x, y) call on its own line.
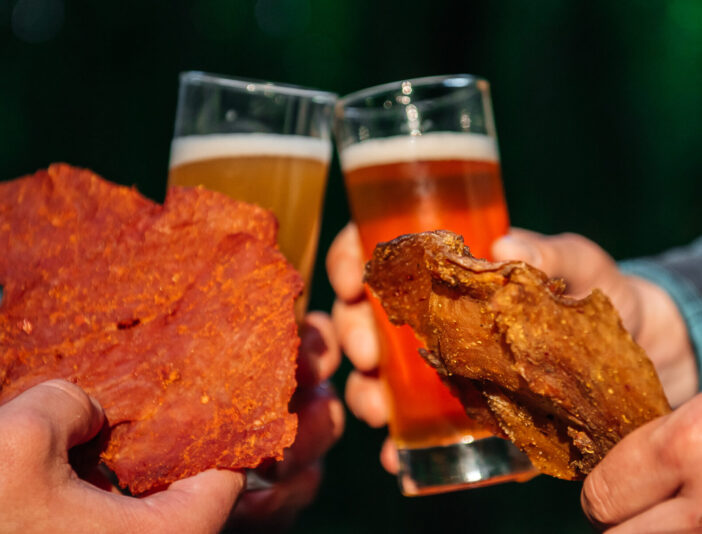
point(284, 173)
point(406, 184)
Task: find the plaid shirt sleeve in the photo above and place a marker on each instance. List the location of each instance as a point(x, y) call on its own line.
point(679, 272)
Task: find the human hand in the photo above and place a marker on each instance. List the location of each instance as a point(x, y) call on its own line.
point(353, 321)
point(646, 310)
point(294, 481)
point(40, 491)
point(650, 481)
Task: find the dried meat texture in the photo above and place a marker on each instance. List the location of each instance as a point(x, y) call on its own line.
point(178, 318)
point(560, 377)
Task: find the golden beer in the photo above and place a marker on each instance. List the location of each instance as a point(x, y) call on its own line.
point(286, 174)
point(404, 184)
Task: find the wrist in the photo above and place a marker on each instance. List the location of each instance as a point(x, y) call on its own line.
point(662, 333)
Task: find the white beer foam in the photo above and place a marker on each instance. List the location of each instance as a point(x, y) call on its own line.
point(191, 148)
point(431, 146)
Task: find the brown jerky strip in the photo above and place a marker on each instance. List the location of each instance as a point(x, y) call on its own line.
point(561, 377)
point(184, 332)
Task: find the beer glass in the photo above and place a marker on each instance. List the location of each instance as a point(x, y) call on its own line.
point(264, 143)
point(421, 155)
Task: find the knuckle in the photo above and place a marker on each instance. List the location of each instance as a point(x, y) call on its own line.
point(669, 455)
point(71, 394)
point(338, 313)
point(693, 408)
point(353, 391)
point(576, 240)
point(678, 443)
point(595, 254)
point(31, 433)
point(342, 319)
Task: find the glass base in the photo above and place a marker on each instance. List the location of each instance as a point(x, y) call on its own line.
point(462, 465)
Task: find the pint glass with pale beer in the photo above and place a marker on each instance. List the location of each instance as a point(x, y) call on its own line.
point(422, 155)
point(263, 143)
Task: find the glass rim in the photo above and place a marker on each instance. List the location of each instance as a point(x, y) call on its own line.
point(347, 101)
point(253, 86)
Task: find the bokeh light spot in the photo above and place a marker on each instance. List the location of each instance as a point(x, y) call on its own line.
point(686, 14)
point(37, 21)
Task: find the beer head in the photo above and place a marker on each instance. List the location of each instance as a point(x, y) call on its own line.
point(191, 148)
point(429, 147)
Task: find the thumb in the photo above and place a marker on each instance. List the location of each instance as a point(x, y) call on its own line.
point(200, 503)
point(576, 259)
point(69, 414)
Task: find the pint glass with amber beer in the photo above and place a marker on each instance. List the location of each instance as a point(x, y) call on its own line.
point(422, 155)
point(264, 143)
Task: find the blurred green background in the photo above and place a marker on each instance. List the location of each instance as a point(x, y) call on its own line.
point(598, 106)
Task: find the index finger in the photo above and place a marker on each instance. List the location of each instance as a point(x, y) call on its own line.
point(63, 408)
point(345, 264)
point(581, 262)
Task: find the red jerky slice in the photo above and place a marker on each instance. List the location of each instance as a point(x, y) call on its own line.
point(135, 265)
point(62, 215)
point(181, 324)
